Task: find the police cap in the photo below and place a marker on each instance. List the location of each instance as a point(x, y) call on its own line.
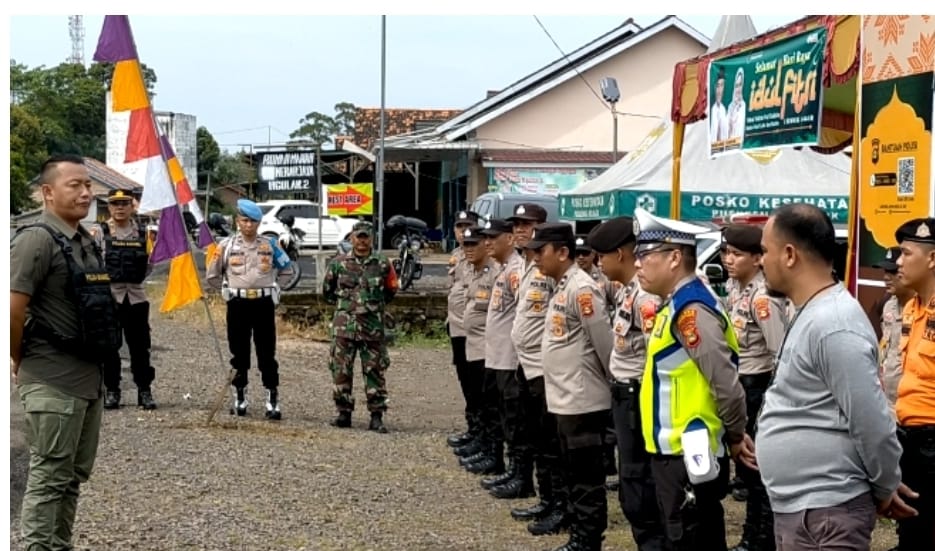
point(472, 236)
point(246, 207)
point(119, 195)
point(528, 212)
point(556, 232)
point(611, 235)
point(920, 230)
point(744, 237)
point(466, 218)
point(494, 227)
point(653, 232)
point(888, 264)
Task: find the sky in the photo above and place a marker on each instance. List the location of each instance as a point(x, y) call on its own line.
point(250, 79)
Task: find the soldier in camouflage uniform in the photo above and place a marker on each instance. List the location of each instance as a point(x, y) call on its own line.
point(891, 324)
point(360, 284)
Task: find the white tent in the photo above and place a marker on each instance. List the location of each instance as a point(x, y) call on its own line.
point(740, 182)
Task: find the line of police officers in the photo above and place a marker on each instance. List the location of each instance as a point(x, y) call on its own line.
point(591, 345)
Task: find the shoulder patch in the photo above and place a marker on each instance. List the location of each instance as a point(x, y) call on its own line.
point(687, 324)
point(514, 281)
point(648, 313)
point(586, 303)
point(761, 306)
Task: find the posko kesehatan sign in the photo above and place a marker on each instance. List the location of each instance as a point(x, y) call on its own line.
point(774, 95)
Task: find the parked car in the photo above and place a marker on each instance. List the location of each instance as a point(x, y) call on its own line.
point(306, 215)
point(501, 205)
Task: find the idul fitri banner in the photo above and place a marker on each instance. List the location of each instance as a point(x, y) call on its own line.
point(773, 95)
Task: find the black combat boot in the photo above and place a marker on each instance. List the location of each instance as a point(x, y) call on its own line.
point(581, 542)
point(518, 487)
point(240, 402)
point(112, 399)
point(144, 399)
point(460, 439)
point(538, 510)
point(376, 422)
point(492, 463)
point(489, 483)
point(556, 521)
point(272, 405)
point(471, 448)
point(343, 420)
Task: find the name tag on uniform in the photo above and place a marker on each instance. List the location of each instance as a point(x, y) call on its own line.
point(660, 323)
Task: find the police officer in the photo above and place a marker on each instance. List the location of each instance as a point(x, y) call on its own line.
point(455, 322)
point(690, 393)
point(915, 402)
point(63, 324)
point(576, 350)
point(483, 397)
point(247, 268)
point(891, 324)
point(759, 322)
point(360, 283)
point(501, 359)
point(634, 315)
point(123, 241)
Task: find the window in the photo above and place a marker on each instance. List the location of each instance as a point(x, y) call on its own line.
point(298, 211)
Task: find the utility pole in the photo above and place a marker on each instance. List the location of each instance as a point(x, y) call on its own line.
point(380, 157)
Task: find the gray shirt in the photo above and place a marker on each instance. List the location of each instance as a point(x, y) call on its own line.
point(478, 285)
point(633, 320)
point(535, 290)
point(825, 433)
point(500, 352)
point(891, 361)
point(759, 322)
point(456, 299)
point(245, 264)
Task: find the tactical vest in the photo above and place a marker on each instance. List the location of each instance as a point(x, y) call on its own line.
point(675, 395)
point(89, 289)
point(126, 259)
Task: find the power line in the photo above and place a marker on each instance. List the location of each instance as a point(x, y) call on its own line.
point(575, 69)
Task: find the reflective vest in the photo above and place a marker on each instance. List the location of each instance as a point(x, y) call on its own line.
point(675, 396)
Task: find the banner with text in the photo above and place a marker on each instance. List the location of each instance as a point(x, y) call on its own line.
point(287, 172)
point(545, 181)
point(774, 95)
point(350, 199)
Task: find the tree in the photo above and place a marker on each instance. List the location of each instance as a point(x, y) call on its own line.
point(104, 73)
point(27, 152)
point(345, 114)
point(208, 155)
point(233, 169)
point(321, 129)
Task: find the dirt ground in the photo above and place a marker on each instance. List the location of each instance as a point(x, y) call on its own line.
point(166, 480)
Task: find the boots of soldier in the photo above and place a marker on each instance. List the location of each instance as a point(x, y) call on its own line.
point(555, 521)
point(581, 542)
point(489, 483)
point(519, 486)
point(112, 399)
point(240, 402)
point(272, 405)
point(472, 447)
point(376, 422)
point(343, 420)
point(491, 463)
point(538, 510)
point(463, 438)
point(144, 399)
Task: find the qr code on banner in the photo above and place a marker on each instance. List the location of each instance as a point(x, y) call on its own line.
point(906, 177)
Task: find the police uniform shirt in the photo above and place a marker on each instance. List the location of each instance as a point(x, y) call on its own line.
point(759, 322)
point(576, 347)
point(478, 287)
point(456, 299)
point(891, 362)
point(38, 269)
point(136, 292)
point(500, 352)
point(247, 264)
point(532, 304)
point(632, 324)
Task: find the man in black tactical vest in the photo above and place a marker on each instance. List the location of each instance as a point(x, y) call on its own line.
point(62, 326)
point(123, 241)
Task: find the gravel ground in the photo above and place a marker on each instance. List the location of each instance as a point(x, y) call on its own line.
point(165, 480)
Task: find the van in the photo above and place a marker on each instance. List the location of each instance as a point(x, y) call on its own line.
point(501, 205)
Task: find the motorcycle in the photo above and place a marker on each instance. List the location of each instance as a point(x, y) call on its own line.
point(409, 240)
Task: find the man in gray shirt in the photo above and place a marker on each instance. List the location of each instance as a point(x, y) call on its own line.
point(826, 443)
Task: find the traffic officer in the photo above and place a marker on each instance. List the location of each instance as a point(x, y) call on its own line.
point(123, 241)
point(482, 400)
point(576, 349)
point(360, 284)
point(891, 324)
point(915, 402)
point(501, 360)
point(760, 324)
point(634, 315)
point(455, 321)
point(247, 269)
point(63, 324)
point(690, 395)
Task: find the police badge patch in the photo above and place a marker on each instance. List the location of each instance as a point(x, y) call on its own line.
point(761, 306)
point(586, 303)
point(688, 328)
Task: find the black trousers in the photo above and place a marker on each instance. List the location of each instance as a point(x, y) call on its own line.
point(637, 489)
point(134, 320)
point(471, 378)
point(581, 438)
point(694, 524)
point(542, 435)
point(512, 415)
point(460, 362)
point(489, 413)
point(918, 468)
point(257, 318)
point(758, 523)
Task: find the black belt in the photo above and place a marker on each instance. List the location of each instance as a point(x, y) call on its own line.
point(921, 430)
point(621, 389)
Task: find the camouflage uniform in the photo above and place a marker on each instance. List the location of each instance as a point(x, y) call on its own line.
point(360, 288)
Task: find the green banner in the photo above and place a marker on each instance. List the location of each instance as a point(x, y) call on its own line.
point(610, 204)
point(542, 181)
point(773, 95)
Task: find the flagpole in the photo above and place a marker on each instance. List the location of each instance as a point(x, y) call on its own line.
point(382, 132)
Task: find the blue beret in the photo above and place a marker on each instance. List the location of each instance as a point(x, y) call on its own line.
point(246, 207)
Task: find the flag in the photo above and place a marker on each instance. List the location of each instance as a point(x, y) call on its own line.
point(165, 187)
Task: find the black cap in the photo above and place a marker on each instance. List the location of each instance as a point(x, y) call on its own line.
point(119, 195)
point(581, 245)
point(496, 226)
point(555, 232)
point(611, 235)
point(888, 264)
point(466, 217)
point(920, 230)
point(529, 212)
point(472, 235)
point(744, 237)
